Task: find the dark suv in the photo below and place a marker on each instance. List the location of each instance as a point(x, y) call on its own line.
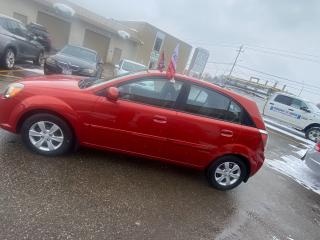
point(42, 34)
point(17, 43)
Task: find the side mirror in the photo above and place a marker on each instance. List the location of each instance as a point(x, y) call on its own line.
point(305, 109)
point(113, 93)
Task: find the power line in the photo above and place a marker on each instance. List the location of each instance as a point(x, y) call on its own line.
point(284, 55)
point(279, 77)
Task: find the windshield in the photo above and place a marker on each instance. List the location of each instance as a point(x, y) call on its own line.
point(81, 53)
point(132, 67)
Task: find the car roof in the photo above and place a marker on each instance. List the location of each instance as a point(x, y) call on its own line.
point(291, 95)
point(10, 18)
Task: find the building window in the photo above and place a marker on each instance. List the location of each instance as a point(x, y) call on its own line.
point(20, 17)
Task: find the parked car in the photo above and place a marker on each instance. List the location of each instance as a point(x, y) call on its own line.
point(296, 112)
point(126, 66)
point(74, 60)
point(312, 158)
point(188, 122)
point(42, 35)
point(17, 43)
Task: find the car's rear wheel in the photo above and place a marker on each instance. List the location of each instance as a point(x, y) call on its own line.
point(226, 173)
point(313, 134)
point(9, 59)
point(39, 61)
point(47, 134)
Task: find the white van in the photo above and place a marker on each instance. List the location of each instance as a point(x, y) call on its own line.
point(296, 112)
point(126, 66)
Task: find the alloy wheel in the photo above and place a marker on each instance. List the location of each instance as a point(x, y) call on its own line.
point(227, 173)
point(46, 136)
point(10, 59)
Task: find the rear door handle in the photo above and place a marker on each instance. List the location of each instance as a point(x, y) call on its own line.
point(159, 119)
point(226, 133)
point(291, 110)
point(271, 103)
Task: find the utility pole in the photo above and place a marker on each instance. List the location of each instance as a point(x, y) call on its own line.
point(234, 63)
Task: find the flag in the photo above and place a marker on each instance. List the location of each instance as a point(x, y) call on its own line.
point(173, 63)
point(161, 62)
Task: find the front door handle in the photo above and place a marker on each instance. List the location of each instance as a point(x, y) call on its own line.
point(159, 119)
point(226, 133)
point(291, 110)
point(271, 103)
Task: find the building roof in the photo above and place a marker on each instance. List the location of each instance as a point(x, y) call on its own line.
point(86, 15)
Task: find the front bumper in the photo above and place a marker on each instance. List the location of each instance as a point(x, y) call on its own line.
point(7, 113)
point(54, 69)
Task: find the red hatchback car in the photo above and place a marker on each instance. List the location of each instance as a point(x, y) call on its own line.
point(186, 121)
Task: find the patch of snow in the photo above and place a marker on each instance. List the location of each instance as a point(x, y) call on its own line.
point(38, 71)
point(308, 142)
point(301, 152)
point(293, 146)
point(296, 169)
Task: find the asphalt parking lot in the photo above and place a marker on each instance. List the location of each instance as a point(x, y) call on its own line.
point(101, 195)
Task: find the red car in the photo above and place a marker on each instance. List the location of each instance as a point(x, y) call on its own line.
point(186, 121)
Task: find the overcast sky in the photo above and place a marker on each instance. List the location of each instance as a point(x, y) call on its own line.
point(288, 31)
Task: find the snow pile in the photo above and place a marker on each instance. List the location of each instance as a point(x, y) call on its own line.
point(37, 71)
point(296, 169)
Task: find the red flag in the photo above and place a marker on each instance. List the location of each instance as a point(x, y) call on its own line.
point(161, 62)
point(173, 63)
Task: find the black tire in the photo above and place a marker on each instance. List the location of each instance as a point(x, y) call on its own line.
point(313, 134)
point(66, 133)
point(9, 53)
point(232, 161)
point(39, 61)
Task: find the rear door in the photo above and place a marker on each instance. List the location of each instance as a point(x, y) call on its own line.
point(206, 123)
point(138, 121)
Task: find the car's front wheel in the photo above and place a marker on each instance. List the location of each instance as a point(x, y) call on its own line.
point(226, 173)
point(47, 134)
point(9, 59)
point(313, 134)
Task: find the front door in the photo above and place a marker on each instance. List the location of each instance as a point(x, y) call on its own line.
point(138, 121)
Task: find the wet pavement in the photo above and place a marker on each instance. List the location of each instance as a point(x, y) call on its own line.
point(101, 195)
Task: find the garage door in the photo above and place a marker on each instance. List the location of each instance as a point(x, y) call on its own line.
point(58, 29)
point(96, 42)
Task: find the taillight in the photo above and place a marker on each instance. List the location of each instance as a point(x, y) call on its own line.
point(264, 136)
point(317, 147)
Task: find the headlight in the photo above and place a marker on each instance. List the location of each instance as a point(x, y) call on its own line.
point(13, 90)
point(50, 61)
point(89, 71)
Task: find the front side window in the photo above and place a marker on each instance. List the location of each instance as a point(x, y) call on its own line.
point(207, 102)
point(283, 100)
point(157, 92)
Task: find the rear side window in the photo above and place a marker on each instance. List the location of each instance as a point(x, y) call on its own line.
point(207, 102)
point(283, 100)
